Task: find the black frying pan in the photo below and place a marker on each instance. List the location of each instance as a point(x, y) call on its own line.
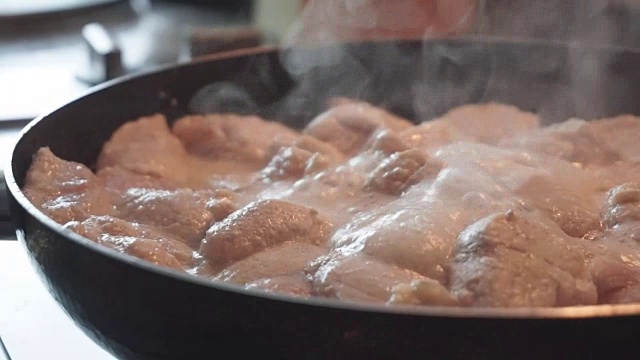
point(138, 311)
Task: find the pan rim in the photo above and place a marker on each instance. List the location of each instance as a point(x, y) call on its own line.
point(528, 313)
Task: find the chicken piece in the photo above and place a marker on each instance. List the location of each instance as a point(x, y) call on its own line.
point(387, 142)
point(614, 174)
point(432, 135)
point(620, 134)
point(615, 278)
point(229, 136)
point(349, 126)
point(418, 230)
point(515, 259)
point(622, 205)
point(118, 180)
point(138, 240)
point(63, 190)
point(285, 259)
point(184, 213)
point(575, 213)
point(483, 123)
point(490, 123)
point(314, 145)
point(260, 225)
point(147, 147)
point(357, 278)
point(421, 292)
point(564, 192)
point(402, 170)
point(572, 140)
point(289, 163)
point(295, 285)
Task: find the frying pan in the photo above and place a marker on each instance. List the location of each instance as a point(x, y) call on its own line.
point(139, 311)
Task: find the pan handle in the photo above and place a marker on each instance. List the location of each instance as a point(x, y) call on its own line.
point(7, 229)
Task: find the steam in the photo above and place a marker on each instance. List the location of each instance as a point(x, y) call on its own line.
point(462, 51)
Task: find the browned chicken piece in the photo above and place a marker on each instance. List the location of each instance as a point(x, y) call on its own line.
point(146, 146)
point(615, 174)
point(575, 213)
point(285, 259)
point(515, 259)
point(288, 163)
point(564, 192)
point(621, 134)
point(138, 240)
point(314, 145)
point(64, 190)
point(616, 279)
point(418, 230)
point(489, 123)
point(432, 135)
point(484, 123)
point(295, 285)
point(231, 137)
point(292, 163)
point(402, 170)
point(184, 213)
point(572, 140)
point(260, 225)
point(357, 278)
point(388, 142)
point(349, 126)
point(118, 180)
point(622, 205)
point(422, 292)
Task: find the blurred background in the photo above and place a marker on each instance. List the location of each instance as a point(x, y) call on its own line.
point(53, 50)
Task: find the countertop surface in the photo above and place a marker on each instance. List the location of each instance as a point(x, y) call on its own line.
point(32, 324)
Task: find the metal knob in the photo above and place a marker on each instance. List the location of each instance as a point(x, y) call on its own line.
point(105, 57)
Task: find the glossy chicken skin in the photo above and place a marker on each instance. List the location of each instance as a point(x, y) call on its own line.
point(261, 225)
point(135, 239)
point(64, 190)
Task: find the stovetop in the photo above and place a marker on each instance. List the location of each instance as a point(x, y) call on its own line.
point(32, 324)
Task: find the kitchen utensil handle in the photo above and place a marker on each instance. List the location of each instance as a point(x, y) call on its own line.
point(105, 56)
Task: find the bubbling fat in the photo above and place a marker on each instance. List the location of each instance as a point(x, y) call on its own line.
point(481, 207)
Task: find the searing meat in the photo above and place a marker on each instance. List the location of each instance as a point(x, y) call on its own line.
point(119, 180)
point(358, 278)
point(479, 207)
point(184, 213)
point(138, 240)
point(566, 193)
point(422, 292)
point(146, 146)
point(296, 285)
point(573, 140)
point(621, 135)
point(65, 190)
point(482, 123)
point(229, 136)
point(515, 259)
point(268, 263)
point(349, 126)
point(402, 170)
point(490, 123)
point(260, 225)
point(289, 163)
point(622, 205)
point(432, 215)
